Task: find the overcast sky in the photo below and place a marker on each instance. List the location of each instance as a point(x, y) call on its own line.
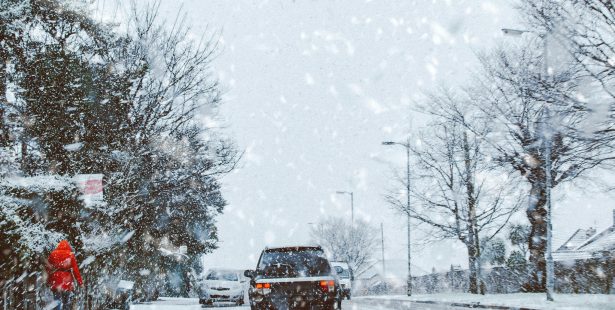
point(312, 89)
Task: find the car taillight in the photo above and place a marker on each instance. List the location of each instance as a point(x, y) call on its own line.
point(263, 288)
point(327, 285)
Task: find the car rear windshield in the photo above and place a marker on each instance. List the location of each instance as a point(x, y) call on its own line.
point(294, 262)
point(342, 273)
point(223, 276)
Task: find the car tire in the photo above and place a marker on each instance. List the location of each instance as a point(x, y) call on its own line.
point(330, 305)
point(256, 307)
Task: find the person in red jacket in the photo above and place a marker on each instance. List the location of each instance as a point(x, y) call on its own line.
point(62, 271)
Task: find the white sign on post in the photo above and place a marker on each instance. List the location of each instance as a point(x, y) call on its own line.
point(91, 187)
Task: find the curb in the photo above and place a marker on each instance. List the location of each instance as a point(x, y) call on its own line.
point(474, 305)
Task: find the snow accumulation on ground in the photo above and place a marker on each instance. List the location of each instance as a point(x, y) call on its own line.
point(526, 300)
point(169, 303)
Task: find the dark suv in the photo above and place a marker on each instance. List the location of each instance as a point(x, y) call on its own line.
point(293, 277)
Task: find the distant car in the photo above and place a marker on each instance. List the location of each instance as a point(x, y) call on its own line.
point(344, 272)
point(221, 285)
point(122, 296)
point(293, 277)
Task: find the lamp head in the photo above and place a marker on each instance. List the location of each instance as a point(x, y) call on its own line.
point(513, 32)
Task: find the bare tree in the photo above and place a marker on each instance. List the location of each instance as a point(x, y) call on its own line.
point(514, 95)
point(343, 241)
point(168, 81)
point(455, 191)
point(587, 30)
point(173, 75)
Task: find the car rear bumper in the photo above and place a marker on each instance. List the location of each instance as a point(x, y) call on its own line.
point(294, 292)
point(222, 296)
point(293, 300)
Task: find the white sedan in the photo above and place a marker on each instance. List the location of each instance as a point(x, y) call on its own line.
point(221, 285)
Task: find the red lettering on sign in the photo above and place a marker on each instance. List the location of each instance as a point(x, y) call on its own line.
point(93, 187)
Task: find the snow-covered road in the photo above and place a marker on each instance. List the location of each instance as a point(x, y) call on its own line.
point(193, 304)
point(168, 303)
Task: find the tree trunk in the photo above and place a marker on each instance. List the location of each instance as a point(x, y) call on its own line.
point(4, 133)
point(537, 243)
point(3, 60)
point(479, 266)
point(472, 242)
point(24, 156)
point(472, 263)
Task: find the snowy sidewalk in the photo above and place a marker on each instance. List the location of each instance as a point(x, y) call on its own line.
point(505, 301)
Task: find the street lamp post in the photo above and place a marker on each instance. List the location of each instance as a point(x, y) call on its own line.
point(384, 266)
point(407, 146)
point(546, 117)
point(351, 204)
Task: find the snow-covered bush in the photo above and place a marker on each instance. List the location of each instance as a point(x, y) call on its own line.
point(35, 216)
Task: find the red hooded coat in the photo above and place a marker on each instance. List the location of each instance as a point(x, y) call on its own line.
point(61, 262)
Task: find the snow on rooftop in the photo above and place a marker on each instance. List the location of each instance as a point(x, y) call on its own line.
point(605, 241)
point(560, 256)
point(585, 243)
point(224, 270)
point(577, 239)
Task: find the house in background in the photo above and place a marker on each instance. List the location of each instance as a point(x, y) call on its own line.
point(571, 248)
point(372, 280)
point(585, 263)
